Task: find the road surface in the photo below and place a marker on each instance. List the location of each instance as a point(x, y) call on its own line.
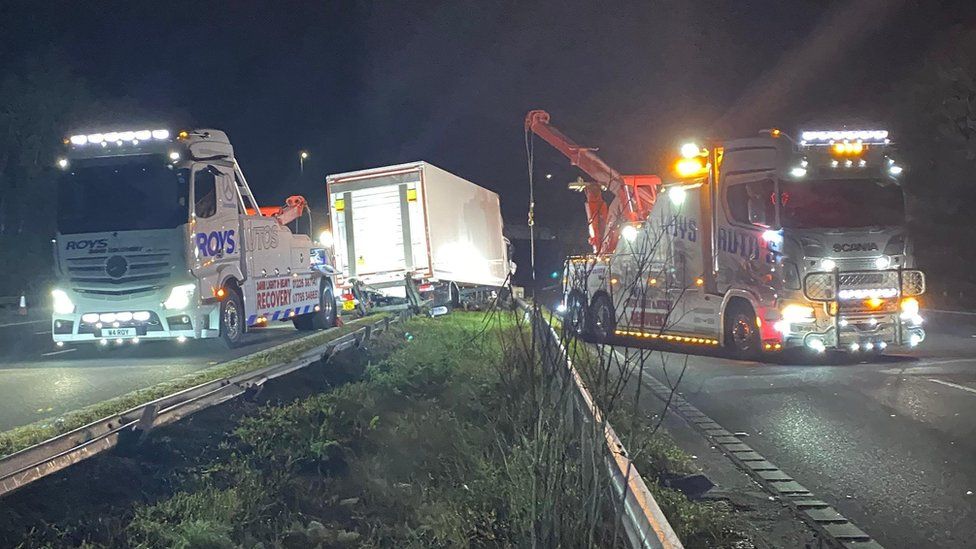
point(39, 380)
point(890, 444)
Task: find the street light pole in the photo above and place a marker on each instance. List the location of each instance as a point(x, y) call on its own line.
point(301, 161)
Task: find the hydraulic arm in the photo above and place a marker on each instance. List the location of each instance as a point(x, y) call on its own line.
point(633, 195)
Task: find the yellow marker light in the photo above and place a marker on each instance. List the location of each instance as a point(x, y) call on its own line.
point(411, 195)
point(690, 167)
point(340, 204)
point(699, 281)
point(652, 282)
point(614, 280)
point(183, 135)
point(847, 148)
point(874, 302)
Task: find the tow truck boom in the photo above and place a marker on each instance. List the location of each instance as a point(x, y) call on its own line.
point(634, 195)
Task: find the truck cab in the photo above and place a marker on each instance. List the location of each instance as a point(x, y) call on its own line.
point(764, 244)
point(160, 237)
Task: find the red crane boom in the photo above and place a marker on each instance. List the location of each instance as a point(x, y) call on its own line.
point(634, 195)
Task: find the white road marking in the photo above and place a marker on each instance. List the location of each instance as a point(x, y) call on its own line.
point(951, 384)
point(945, 312)
point(24, 323)
point(61, 352)
point(42, 333)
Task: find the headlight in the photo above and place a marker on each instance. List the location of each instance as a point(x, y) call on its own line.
point(795, 312)
point(179, 297)
point(828, 265)
point(909, 308)
point(62, 303)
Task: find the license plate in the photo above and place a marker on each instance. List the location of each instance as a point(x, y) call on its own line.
point(348, 305)
point(119, 332)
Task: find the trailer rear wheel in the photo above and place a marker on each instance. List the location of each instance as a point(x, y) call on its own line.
point(575, 320)
point(741, 332)
point(232, 319)
point(602, 319)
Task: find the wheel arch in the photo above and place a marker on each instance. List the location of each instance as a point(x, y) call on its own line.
point(733, 297)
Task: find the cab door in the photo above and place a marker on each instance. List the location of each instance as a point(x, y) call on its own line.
point(215, 227)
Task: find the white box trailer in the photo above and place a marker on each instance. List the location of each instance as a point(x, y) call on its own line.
point(416, 219)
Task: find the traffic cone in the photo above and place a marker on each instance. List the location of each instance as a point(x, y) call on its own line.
point(23, 305)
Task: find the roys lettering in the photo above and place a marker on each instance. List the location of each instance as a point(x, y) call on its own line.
point(99, 244)
point(216, 243)
point(856, 247)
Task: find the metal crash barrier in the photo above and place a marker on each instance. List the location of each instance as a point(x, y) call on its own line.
point(642, 519)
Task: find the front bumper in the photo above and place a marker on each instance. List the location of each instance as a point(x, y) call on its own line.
point(199, 322)
point(856, 334)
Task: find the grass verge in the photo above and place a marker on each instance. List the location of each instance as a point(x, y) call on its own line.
point(28, 435)
point(429, 449)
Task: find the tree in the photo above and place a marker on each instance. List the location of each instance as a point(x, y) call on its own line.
point(935, 110)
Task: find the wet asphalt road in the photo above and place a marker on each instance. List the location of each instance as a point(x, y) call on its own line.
point(890, 444)
point(39, 380)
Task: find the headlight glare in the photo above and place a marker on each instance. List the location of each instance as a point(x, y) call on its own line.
point(794, 312)
point(179, 296)
point(62, 303)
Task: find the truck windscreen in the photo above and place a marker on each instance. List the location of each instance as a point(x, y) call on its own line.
point(840, 203)
point(142, 194)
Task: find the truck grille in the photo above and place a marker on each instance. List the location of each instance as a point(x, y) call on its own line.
point(856, 264)
point(820, 286)
point(119, 274)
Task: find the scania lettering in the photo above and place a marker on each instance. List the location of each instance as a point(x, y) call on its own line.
point(758, 244)
point(160, 237)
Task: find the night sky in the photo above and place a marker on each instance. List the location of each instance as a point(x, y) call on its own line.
point(361, 84)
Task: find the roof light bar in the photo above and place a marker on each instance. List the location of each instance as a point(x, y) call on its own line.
point(828, 136)
point(119, 138)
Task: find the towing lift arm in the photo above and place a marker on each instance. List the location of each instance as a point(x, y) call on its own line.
point(633, 195)
point(293, 209)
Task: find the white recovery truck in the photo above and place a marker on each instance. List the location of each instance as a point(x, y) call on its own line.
point(160, 237)
point(760, 244)
point(415, 229)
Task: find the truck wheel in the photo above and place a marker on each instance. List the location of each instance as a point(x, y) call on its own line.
point(322, 319)
point(574, 323)
point(326, 317)
point(232, 319)
point(741, 332)
point(602, 319)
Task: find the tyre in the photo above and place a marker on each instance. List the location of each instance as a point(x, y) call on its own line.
point(574, 322)
point(454, 293)
point(602, 320)
point(232, 327)
point(325, 317)
point(741, 333)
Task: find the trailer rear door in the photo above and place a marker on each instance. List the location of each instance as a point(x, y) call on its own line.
point(380, 226)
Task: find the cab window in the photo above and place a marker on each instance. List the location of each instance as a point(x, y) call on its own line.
point(753, 203)
point(205, 193)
